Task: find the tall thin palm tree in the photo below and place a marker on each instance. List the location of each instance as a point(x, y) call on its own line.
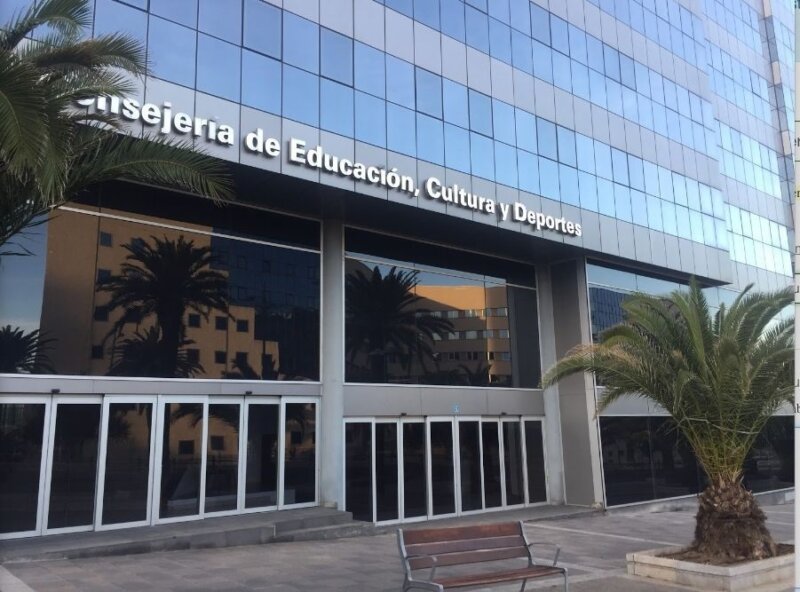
point(50, 151)
point(720, 377)
point(383, 317)
point(166, 279)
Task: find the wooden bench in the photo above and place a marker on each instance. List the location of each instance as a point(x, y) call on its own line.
point(433, 548)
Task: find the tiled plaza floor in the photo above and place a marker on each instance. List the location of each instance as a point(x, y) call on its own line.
point(593, 549)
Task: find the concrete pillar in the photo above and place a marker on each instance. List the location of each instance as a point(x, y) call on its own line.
point(331, 442)
point(554, 460)
point(583, 481)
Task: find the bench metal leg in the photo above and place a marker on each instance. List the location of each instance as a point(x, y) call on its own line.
point(566, 582)
point(524, 583)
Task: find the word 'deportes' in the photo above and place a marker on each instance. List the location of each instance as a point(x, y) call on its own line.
point(164, 119)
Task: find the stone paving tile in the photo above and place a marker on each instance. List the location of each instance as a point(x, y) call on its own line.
point(593, 549)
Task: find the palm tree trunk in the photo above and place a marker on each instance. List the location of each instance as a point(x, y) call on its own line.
point(730, 524)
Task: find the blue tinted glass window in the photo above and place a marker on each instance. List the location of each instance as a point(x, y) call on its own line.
point(300, 96)
point(668, 217)
point(482, 156)
point(642, 76)
point(520, 15)
point(566, 146)
point(168, 45)
point(568, 185)
point(528, 170)
point(526, 130)
point(427, 12)
point(548, 178)
point(546, 136)
point(602, 159)
point(693, 194)
point(636, 172)
point(562, 73)
point(500, 40)
point(261, 82)
point(401, 130)
point(639, 207)
point(370, 70)
point(619, 160)
point(480, 112)
point(665, 184)
point(479, 4)
point(336, 56)
point(580, 81)
point(585, 151)
point(429, 93)
point(336, 108)
point(622, 201)
point(542, 62)
point(577, 44)
point(221, 19)
point(684, 215)
point(540, 24)
point(218, 67)
point(521, 56)
point(400, 82)
point(679, 189)
point(262, 27)
point(505, 164)
point(180, 11)
point(300, 42)
point(456, 148)
point(112, 17)
point(611, 60)
point(650, 177)
point(500, 10)
point(626, 71)
point(654, 213)
point(456, 104)
point(559, 34)
point(503, 118)
point(597, 88)
point(605, 197)
point(370, 119)
point(594, 53)
point(614, 96)
point(477, 29)
point(430, 139)
point(453, 19)
point(405, 7)
point(588, 191)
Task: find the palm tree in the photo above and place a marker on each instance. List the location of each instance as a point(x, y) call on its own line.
point(142, 354)
point(720, 377)
point(383, 318)
point(166, 279)
point(49, 150)
point(24, 352)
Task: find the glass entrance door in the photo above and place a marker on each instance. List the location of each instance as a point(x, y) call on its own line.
point(441, 467)
point(262, 452)
point(223, 446)
point(469, 461)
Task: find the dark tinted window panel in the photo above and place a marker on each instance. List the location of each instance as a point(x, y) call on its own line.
point(386, 499)
point(181, 459)
point(675, 469)
point(626, 460)
point(442, 483)
point(491, 464)
point(415, 493)
point(74, 472)
point(358, 470)
point(534, 445)
point(770, 463)
point(222, 458)
point(261, 480)
point(470, 461)
point(512, 457)
point(300, 454)
point(127, 462)
point(21, 430)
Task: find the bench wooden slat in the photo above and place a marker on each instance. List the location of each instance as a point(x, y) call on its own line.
point(439, 548)
point(460, 533)
point(538, 571)
point(468, 557)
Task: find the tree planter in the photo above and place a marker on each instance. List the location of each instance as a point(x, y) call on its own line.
point(730, 578)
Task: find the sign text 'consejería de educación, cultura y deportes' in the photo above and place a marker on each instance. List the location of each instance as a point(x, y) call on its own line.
point(166, 121)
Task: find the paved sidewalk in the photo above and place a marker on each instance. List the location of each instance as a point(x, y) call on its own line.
point(593, 548)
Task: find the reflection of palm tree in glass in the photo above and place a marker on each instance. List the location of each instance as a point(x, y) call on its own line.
point(383, 318)
point(24, 352)
point(166, 279)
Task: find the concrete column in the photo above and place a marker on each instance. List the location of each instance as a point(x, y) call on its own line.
point(331, 442)
point(583, 481)
point(554, 461)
